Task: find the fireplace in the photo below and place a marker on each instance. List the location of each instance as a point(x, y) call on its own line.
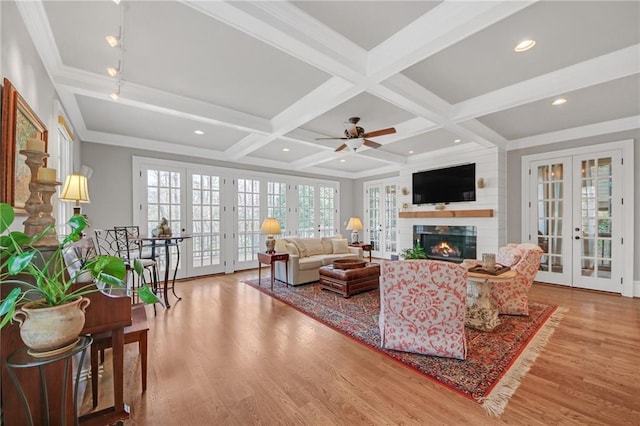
point(450, 243)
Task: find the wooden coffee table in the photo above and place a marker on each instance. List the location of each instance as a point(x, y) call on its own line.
point(481, 313)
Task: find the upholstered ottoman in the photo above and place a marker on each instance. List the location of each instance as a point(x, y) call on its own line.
point(350, 281)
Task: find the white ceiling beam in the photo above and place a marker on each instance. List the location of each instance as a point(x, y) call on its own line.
point(320, 100)
point(247, 145)
point(284, 28)
point(589, 130)
point(150, 99)
point(444, 25)
point(622, 63)
point(403, 91)
point(37, 24)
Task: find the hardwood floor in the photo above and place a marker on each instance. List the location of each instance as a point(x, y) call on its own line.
point(229, 355)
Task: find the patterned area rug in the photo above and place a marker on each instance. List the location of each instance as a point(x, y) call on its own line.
point(496, 361)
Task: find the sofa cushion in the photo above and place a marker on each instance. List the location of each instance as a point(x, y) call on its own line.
point(340, 246)
point(292, 249)
point(314, 246)
point(313, 262)
point(299, 245)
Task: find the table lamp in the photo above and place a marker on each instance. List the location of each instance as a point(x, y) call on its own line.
point(270, 226)
point(354, 225)
point(75, 189)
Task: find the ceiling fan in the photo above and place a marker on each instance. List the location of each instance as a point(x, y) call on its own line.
point(355, 136)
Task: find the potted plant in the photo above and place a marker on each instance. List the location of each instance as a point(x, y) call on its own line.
point(50, 288)
point(417, 252)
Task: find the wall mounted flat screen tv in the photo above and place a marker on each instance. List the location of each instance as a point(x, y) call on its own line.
point(447, 185)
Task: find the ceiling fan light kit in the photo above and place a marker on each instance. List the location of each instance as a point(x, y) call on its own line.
point(355, 136)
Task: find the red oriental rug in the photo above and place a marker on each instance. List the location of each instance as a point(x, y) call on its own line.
point(496, 361)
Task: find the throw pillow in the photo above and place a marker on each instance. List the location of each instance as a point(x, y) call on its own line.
point(340, 246)
point(509, 255)
point(327, 247)
point(292, 249)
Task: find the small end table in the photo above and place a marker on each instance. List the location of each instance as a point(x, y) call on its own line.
point(271, 259)
point(364, 247)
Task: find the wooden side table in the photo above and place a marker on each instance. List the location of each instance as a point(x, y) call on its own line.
point(364, 247)
point(271, 259)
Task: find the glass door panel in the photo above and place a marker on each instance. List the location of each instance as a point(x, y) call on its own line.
point(248, 222)
point(327, 212)
point(163, 199)
point(374, 215)
point(206, 224)
point(390, 220)
point(548, 217)
point(596, 228)
point(306, 211)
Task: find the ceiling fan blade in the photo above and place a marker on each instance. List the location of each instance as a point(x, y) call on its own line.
point(341, 147)
point(331, 139)
point(371, 144)
point(380, 132)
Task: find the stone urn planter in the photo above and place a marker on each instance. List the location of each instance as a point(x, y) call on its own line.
point(52, 329)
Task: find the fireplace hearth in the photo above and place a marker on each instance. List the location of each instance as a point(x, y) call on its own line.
point(443, 242)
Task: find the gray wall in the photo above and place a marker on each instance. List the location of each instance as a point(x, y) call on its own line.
point(514, 164)
point(111, 192)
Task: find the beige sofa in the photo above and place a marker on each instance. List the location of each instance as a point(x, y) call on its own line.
point(307, 255)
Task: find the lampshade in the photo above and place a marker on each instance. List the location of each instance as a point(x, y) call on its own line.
point(75, 189)
point(270, 226)
point(355, 224)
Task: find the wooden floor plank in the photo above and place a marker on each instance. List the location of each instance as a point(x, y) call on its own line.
point(227, 354)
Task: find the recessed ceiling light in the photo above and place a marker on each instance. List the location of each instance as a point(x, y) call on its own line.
point(198, 132)
point(116, 1)
point(112, 71)
point(111, 40)
point(524, 45)
point(286, 149)
point(343, 161)
point(457, 141)
point(411, 152)
point(114, 96)
point(559, 101)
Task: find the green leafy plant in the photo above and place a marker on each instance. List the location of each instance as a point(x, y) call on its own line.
point(50, 282)
point(417, 252)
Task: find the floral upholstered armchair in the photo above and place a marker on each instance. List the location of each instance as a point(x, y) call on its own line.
point(512, 297)
point(422, 307)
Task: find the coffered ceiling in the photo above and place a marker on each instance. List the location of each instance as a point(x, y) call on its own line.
point(264, 79)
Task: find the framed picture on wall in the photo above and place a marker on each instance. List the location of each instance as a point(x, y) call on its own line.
point(19, 123)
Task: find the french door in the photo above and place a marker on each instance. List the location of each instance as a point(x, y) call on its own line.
point(576, 215)
point(381, 216)
point(191, 201)
point(317, 210)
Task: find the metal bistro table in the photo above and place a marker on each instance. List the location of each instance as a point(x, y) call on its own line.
point(167, 241)
point(22, 359)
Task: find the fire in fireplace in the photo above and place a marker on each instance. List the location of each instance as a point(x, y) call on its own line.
point(451, 243)
point(445, 250)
